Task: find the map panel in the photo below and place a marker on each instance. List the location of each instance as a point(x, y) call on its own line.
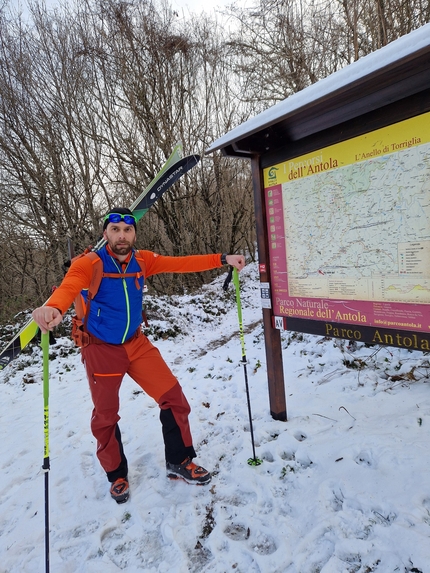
point(363, 231)
point(349, 229)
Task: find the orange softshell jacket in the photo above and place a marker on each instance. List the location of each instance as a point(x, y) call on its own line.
point(80, 273)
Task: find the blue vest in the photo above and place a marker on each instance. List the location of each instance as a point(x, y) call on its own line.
point(116, 310)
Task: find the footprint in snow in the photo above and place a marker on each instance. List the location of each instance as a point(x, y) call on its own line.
point(237, 532)
point(426, 506)
point(199, 558)
point(89, 470)
point(87, 463)
point(247, 563)
point(268, 457)
point(332, 494)
point(300, 436)
point(303, 460)
point(365, 458)
point(261, 543)
point(242, 498)
point(144, 550)
point(288, 455)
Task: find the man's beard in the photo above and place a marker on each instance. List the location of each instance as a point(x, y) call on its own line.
point(120, 249)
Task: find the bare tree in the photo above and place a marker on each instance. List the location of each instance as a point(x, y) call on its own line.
point(170, 86)
point(92, 99)
point(294, 43)
point(46, 141)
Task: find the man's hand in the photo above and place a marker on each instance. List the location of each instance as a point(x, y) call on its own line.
point(47, 317)
point(237, 261)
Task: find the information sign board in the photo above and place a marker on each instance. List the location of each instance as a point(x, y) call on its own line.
point(349, 236)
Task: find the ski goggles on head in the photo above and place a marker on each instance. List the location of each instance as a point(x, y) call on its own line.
point(117, 217)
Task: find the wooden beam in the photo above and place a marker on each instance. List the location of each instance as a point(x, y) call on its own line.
point(272, 336)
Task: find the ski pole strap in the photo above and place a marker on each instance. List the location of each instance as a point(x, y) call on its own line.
point(228, 279)
point(45, 352)
point(239, 312)
point(234, 274)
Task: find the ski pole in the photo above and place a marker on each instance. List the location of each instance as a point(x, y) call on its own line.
point(46, 465)
point(254, 461)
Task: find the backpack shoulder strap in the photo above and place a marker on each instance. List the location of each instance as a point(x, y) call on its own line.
point(96, 277)
point(141, 261)
point(97, 273)
point(139, 258)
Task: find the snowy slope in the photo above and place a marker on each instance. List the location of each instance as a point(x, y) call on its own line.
point(344, 485)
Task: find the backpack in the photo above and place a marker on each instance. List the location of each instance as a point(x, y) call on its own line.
point(82, 308)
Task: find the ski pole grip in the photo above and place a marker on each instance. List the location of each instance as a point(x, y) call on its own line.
point(45, 351)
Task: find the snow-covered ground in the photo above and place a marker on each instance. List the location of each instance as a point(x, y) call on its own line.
point(344, 485)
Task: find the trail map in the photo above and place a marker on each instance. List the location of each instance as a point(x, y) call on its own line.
point(349, 229)
point(363, 231)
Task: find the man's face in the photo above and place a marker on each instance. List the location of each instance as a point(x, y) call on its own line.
point(120, 237)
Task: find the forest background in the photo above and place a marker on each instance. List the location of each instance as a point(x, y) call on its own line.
point(94, 94)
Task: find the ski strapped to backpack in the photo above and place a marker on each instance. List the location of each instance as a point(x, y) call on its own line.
point(79, 334)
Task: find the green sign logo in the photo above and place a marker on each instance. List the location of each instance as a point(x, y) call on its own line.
point(272, 174)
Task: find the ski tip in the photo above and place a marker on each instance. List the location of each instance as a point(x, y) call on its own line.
point(191, 161)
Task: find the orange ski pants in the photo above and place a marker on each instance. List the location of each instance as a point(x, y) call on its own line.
point(106, 365)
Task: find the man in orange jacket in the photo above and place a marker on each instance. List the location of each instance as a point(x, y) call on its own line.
point(115, 345)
